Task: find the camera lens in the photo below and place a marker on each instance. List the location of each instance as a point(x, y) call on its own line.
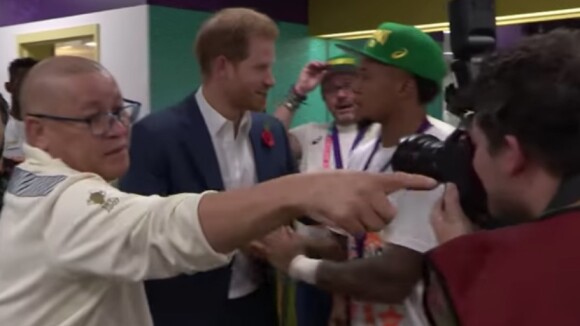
point(446, 161)
point(418, 154)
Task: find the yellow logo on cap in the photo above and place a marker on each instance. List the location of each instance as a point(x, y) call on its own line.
point(379, 36)
point(400, 54)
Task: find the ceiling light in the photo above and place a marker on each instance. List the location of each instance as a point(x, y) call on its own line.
point(500, 21)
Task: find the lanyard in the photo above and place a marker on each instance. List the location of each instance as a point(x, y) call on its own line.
point(332, 142)
point(360, 240)
point(422, 128)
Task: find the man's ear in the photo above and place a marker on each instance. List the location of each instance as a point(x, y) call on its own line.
point(35, 133)
point(8, 87)
point(513, 156)
point(220, 66)
point(408, 88)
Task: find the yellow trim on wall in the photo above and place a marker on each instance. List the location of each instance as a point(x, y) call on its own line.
point(58, 35)
point(500, 21)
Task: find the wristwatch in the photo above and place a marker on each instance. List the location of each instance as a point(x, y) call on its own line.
point(294, 100)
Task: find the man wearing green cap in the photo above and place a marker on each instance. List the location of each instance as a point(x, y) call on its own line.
point(324, 146)
point(401, 71)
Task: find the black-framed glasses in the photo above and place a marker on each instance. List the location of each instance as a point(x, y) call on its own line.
point(101, 123)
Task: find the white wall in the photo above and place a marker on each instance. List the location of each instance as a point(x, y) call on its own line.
point(124, 46)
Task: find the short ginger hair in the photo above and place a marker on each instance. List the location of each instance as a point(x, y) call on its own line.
point(228, 33)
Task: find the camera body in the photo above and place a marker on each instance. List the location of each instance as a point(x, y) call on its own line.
point(447, 161)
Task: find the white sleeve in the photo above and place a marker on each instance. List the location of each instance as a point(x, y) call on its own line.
point(12, 141)
point(99, 230)
point(301, 133)
point(411, 227)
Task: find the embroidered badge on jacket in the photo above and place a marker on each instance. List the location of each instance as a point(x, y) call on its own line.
point(100, 198)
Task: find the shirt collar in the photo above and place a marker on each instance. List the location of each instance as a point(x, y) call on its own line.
point(214, 121)
point(35, 156)
point(348, 128)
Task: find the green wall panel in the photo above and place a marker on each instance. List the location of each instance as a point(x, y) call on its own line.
point(173, 70)
point(435, 108)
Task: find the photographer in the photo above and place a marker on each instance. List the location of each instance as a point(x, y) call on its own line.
point(525, 133)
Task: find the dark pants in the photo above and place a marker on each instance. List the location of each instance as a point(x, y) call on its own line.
point(255, 309)
point(313, 305)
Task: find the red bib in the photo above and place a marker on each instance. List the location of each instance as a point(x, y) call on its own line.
point(526, 275)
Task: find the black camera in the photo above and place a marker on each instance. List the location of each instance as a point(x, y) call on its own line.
point(447, 161)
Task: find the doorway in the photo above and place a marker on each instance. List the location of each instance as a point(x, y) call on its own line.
point(80, 41)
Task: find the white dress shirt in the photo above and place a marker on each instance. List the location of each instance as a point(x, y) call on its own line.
point(238, 169)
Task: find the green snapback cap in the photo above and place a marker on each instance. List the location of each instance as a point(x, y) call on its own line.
point(406, 48)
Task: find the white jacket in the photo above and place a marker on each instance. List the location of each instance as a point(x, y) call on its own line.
point(74, 250)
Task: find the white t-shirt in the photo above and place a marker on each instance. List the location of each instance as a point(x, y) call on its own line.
point(74, 250)
point(14, 138)
point(312, 139)
point(411, 228)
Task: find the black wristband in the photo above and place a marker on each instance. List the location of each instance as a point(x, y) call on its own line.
point(294, 100)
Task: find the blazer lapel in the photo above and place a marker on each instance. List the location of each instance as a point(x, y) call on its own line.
point(200, 146)
point(260, 155)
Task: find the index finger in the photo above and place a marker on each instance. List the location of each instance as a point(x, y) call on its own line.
point(400, 180)
point(318, 65)
point(437, 212)
point(256, 245)
point(451, 198)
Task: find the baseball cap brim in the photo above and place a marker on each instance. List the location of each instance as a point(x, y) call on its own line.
point(356, 51)
point(335, 70)
point(361, 52)
point(342, 68)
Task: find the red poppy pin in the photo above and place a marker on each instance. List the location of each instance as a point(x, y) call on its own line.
point(267, 137)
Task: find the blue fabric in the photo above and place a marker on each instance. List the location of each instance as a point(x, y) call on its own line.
point(171, 153)
point(313, 305)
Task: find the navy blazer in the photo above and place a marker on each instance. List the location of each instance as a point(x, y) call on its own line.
point(171, 153)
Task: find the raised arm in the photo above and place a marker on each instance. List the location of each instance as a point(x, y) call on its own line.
point(96, 229)
point(308, 80)
point(356, 203)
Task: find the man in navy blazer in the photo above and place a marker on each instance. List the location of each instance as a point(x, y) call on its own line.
point(216, 138)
